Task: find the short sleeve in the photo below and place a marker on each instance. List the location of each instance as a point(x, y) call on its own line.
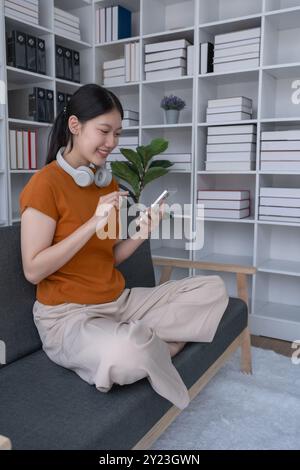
point(39, 194)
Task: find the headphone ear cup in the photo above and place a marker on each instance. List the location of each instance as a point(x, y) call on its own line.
point(102, 177)
point(84, 176)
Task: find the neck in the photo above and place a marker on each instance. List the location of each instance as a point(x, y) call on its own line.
point(73, 158)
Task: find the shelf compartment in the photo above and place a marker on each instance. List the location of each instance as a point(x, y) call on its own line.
point(21, 77)
point(277, 301)
point(45, 20)
point(273, 5)
point(227, 86)
point(216, 10)
point(270, 255)
point(280, 93)
point(275, 320)
point(281, 39)
point(162, 15)
point(153, 93)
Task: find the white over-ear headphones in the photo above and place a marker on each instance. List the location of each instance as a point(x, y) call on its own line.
point(83, 175)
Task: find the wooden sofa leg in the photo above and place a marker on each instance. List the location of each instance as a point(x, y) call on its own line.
point(246, 363)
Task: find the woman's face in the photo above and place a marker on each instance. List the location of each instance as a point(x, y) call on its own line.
point(97, 138)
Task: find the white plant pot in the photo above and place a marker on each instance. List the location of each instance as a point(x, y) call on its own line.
point(171, 116)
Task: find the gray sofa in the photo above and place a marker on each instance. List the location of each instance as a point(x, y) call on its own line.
point(45, 406)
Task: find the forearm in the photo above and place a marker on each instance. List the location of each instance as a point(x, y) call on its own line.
point(51, 259)
point(126, 247)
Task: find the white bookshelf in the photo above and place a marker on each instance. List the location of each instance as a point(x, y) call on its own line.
point(272, 247)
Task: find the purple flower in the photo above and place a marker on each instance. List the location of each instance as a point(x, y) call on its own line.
point(172, 102)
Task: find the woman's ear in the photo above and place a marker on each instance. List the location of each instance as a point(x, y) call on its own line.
point(74, 124)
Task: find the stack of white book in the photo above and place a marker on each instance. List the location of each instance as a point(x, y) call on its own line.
point(131, 118)
point(231, 148)
point(280, 150)
point(279, 204)
point(66, 24)
point(181, 161)
point(225, 204)
point(237, 50)
point(168, 59)
point(23, 10)
point(125, 69)
point(128, 142)
point(237, 108)
point(23, 149)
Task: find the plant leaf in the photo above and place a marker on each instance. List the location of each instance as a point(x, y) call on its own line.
point(153, 173)
point(155, 147)
point(161, 163)
point(134, 158)
point(141, 151)
point(122, 170)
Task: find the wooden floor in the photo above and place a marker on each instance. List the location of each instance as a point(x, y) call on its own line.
point(276, 345)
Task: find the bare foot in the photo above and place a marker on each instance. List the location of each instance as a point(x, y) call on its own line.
point(175, 347)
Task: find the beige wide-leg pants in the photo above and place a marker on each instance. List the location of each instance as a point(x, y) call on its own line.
point(126, 340)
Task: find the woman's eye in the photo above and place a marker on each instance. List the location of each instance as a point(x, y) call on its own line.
point(104, 132)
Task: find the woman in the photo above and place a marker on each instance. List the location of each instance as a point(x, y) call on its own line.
point(87, 320)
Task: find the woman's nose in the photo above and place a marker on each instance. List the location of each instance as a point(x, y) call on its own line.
point(110, 141)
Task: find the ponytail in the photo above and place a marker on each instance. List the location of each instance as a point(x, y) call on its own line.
point(59, 136)
point(88, 102)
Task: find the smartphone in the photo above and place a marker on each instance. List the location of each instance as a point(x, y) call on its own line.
point(162, 196)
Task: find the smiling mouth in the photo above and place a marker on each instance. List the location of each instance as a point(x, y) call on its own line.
point(102, 153)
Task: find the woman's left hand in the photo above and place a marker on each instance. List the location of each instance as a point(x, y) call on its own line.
point(150, 219)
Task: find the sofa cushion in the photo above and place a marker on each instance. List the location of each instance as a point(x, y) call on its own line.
point(17, 295)
point(45, 406)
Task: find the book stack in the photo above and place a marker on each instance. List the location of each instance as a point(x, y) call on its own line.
point(128, 142)
point(181, 161)
point(237, 50)
point(23, 149)
point(280, 150)
point(279, 204)
point(231, 148)
point(168, 59)
point(224, 204)
point(28, 11)
point(131, 118)
point(124, 69)
point(66, 24)
point(112, 23)
point(237, 108)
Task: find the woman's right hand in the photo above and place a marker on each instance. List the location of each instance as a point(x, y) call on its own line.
point(106, 204)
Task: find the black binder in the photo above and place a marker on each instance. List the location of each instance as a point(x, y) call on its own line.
point(49, 104)
point(60, 102)
point(31, 53)
point(76, 66)
point(36, 102)
point(41, 56)
point(59, 61)
point(68, 64)
point(16, 50)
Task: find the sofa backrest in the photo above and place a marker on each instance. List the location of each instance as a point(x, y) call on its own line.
point(17, 295)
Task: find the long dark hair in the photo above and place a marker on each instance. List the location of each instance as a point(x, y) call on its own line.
point(88, 102)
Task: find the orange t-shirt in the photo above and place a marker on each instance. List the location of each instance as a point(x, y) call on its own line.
point(89, 277)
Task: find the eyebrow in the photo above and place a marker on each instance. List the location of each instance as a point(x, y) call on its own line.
point(108, 125)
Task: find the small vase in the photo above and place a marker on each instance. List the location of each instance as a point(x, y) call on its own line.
point(171, 116)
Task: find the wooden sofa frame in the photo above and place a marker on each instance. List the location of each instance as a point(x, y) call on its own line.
point(242, 341)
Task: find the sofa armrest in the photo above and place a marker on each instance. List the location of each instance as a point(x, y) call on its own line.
point(240, 271)
point(5, 443)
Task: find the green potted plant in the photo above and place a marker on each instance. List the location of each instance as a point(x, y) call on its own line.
point(140, 169)
point(172, 106)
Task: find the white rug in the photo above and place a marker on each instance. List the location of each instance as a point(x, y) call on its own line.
point(237, 411)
